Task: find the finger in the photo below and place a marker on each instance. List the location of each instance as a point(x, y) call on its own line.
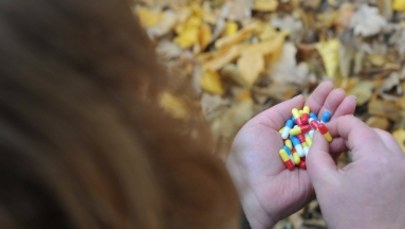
point(332, 102)
point(321, 166)
point(388, 140)
point(360, 138)
point(276, 116)
point(337, 147)
point(316, 100)
point(347, 106)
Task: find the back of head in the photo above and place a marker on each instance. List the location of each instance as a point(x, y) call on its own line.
point(83, 142)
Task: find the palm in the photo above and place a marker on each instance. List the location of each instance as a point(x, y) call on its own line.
point(277, 192)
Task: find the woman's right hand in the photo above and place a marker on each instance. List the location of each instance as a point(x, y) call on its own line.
point(369, 192)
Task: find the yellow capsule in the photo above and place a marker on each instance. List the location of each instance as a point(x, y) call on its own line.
point(288, 143)
point(284, 156)
point(308, 140)
point(328, 137)
point(306, 110)
point(295, 131)
point(281, 130)
point(295, 113)
point(296, 158)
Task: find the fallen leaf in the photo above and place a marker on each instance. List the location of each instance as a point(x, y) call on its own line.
point(378, 122)
point(286, 69)
point(265, 5)
point(329, 51)
point(363, 91)
point(210, 81)
point(148, 17)
point(240, 36)
point(250, 65)
point(218, 59)
point(367, 21)
point(398, 5)
point(205, 35)
point(231, 28)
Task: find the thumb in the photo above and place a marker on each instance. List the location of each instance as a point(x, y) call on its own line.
point(320, 165)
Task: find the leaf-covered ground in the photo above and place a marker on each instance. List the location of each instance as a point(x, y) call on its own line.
point(244, 56)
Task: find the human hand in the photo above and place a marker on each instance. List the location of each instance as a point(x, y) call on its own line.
point(267, 190)
point(366, 193)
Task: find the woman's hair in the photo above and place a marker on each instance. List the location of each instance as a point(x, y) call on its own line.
point(83, 141)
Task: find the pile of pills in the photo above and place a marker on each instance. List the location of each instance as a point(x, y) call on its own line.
point(297, 135)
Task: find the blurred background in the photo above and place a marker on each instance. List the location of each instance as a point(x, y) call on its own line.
point(243, 56)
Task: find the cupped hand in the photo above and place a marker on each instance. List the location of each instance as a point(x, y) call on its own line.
point(267, 190)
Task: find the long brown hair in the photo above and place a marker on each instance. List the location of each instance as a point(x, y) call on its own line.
point(83, 142)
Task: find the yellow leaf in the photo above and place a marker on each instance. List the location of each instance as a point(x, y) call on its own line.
point(399, 135)
point(250, 65)
point(188, 32)
point(148, 17)
point(240, 36)
point(265, 47)
point(230, 28)
point(187, 38)
point(210, 81)
point(220, 58)
point(398, 5)
point(205, 35)
point(329, 51)
point(173, 105)
point(265, 5)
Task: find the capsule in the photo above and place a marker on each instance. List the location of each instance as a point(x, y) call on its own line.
point(298, 147)
point(308, 139)
point(302, 165)
point(286, 160)
point(304, 118)
point(300, 130)
point(314, 124)
point(286, 129)
point(306, 148)
point(296, 157)
point(324, 131)
point(288, 143)
point(326, 116)
point(306, 110)
point(296, 114)
point(313, 116)
point(301, 137)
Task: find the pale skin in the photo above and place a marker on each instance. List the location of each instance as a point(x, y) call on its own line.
point(267, 190)
point(369, 191)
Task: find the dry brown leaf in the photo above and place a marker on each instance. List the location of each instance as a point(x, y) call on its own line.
point(378, 122)
point(382, 108)
point(367, 21)
point(363, 91)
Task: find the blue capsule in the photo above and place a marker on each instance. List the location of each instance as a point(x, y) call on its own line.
point(326, 116)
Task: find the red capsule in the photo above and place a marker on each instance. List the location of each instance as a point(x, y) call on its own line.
point(304, 118)
point(289, 165)
point(301, 137)
point(314, 124)
point(303, 164)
